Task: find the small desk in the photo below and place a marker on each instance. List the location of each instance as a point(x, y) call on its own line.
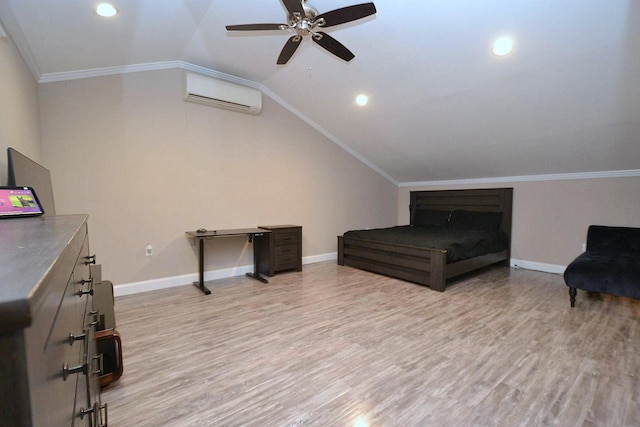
point(210, 234)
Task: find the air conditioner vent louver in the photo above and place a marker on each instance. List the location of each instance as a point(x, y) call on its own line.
point(219, 93)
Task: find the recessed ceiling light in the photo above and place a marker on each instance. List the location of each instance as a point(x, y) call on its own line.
point(362, 100)
point(106, 10)
point(503, 46)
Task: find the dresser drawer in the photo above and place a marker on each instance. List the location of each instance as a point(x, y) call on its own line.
point(55, 393)
point(80, 419)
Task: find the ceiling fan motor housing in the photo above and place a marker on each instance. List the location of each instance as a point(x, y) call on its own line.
point(304, 24)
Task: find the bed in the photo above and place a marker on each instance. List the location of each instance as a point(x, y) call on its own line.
point(402, 252)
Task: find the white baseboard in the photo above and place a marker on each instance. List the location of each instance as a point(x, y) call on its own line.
point(537, 266)
point(188, 279)
point(332, 256)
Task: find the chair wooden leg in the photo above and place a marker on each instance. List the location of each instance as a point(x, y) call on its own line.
point(572, 296)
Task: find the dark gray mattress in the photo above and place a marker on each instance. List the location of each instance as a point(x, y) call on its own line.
point(460, 244)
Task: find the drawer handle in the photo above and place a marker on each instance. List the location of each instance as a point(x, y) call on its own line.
point(84, 412)
point(85, 292)
point(96, 411)
point(89, 291)
point(66, 370)
point(91, 259)
point(74, 338)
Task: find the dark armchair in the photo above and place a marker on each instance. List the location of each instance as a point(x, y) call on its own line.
point(610, 265)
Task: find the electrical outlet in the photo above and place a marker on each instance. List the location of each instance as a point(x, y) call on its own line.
point(148, 250)
point(584, 247)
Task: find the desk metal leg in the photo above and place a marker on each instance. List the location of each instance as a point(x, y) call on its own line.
point(200, 284)
point(257, 277)
point(256, 270)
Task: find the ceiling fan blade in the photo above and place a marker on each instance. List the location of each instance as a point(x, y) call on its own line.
point(346, 14)
point(257, 27)
point(294, 6)
point(289, 49)
point(333, 46)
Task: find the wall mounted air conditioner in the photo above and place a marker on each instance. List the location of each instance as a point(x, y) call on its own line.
point(219, 93)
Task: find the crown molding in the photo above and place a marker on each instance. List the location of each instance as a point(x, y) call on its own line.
point(106, 71)
point(10, 30)
point(528, 178)
point(139, 68)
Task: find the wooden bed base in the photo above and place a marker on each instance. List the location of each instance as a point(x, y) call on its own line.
point(428, 266)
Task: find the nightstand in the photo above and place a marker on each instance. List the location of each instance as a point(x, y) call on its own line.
point(279, 250)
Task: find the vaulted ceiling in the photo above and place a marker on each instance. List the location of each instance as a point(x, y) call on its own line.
point(441, 106)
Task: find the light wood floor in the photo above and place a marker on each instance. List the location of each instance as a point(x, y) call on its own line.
point(335, 346)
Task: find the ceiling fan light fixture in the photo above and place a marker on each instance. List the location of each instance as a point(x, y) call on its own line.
point(106, 10)
point(503, 46)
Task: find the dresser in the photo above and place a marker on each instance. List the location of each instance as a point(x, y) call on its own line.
point(48, 362)
point(279, 250)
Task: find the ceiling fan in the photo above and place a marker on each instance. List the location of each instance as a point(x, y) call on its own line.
point(305, 20)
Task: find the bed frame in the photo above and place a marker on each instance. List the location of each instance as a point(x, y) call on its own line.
point(428, 266)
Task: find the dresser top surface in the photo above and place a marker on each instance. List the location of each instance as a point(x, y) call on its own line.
point(29, 247)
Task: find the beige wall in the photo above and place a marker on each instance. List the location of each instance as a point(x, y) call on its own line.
point(19, 121)
point(550, 218)
point(147, 166)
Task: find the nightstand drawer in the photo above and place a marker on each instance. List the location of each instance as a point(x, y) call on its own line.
point(286, 252)
point(286, 238)
point(286, 257)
